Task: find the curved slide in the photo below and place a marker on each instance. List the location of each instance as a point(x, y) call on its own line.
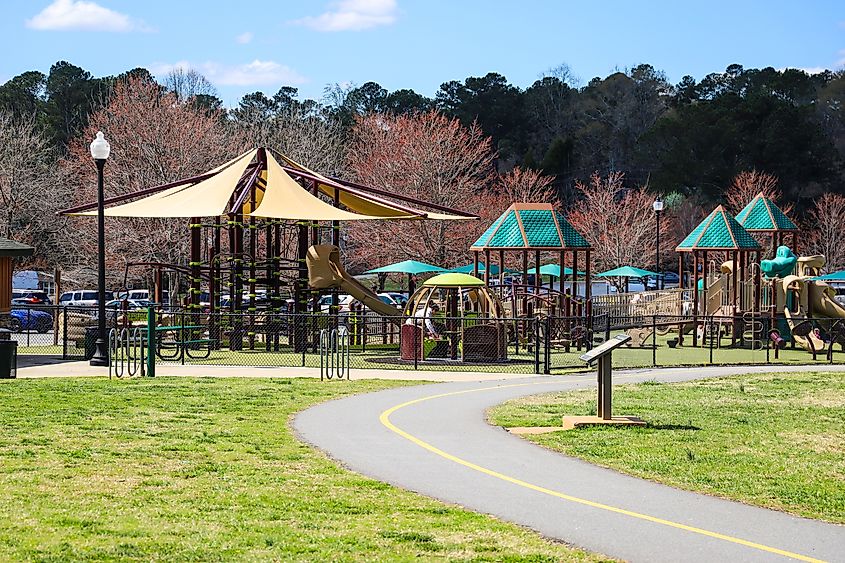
point(821, 302)
point(326, 272)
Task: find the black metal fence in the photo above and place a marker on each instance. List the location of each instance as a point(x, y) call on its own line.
point(470, 343)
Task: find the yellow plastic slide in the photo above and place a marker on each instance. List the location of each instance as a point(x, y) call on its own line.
point(325, 272)
point(823, 302)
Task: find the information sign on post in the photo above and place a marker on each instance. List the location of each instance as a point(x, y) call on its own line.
point(602, 356)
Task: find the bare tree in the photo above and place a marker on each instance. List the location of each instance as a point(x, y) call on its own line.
point(315, 141)
point(24, 154)
point(827, 223)
point(747, 184)
point(430, 157)
point(619, 223)
point(188, 83)
point(155, 139)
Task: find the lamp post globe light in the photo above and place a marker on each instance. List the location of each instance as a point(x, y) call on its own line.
point(658, 207)
point(100, 153)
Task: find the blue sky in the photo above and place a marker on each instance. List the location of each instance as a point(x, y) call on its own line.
point(419, 44)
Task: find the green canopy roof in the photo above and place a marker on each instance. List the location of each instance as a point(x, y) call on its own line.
point(719, 231)
point(626, 272)
point(835, 276)
point(554, 270)
point(453, 279)
point(761, 214)
point(13, 249)
point(530, 226)
point(406, 267)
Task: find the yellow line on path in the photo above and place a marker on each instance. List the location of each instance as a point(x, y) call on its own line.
point(385, 420)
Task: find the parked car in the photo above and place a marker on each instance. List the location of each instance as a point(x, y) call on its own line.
point(132, 304)
point(82, 298)
point(670, 280)
point(398, 300)
point(31, 296)
point(30, 319)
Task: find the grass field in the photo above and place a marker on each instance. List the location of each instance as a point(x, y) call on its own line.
point(208, 470)
point(774, 440)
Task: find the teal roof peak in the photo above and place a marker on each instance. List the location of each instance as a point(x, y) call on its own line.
point(762, 215)
point(718, 231)
point(531, 226)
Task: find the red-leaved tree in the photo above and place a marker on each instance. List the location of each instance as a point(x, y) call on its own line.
point(429, 157)
point(827, 225)
point(155, 139)
point(620, 224)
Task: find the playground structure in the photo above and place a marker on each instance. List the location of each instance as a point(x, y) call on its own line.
point(274, 235)
point(474, 326)
point(266, 211)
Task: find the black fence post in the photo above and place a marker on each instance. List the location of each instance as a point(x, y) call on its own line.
point(708, 333)
point(64, 333)
point(536, 345)
point(302, 324)
point(767, 330)
point(654, 340)
point(417, 349)
point(547, 348)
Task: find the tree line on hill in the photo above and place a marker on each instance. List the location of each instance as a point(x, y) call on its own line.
point(631, 133)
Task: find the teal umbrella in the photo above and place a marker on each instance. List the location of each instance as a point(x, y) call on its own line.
point(406, 267)
point(626, 272)
point(835, 276)
point(409, 267)
point(470, 268)
point(554, 270)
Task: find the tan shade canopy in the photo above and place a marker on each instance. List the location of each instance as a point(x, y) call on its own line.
point(207, 198)
point(277, 195)
point(369, 204)
point(285, 199)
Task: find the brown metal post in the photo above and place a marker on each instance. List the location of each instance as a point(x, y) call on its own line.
point(475, 263)
point(501, 267)
point(681, 287)
point(487, 266)
point(301, 298)
point(695, 302)
point(588, 289)
point(195, 264)
point(537, 279)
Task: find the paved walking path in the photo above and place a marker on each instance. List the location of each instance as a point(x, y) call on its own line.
point(37, 367)
point(433, 439)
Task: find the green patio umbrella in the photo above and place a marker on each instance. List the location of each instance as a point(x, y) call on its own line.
point(626, 272)
point(835, 276)
point(554, 270)
point(469, 268)
point(409, 267)
point(406, 267)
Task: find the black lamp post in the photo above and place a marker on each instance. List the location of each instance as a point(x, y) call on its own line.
point(100, 152)
point(658, 207)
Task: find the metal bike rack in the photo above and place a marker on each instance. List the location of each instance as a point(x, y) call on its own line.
point(334, 353)
point(127, 352)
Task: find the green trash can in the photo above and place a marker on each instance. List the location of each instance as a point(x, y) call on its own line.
point(8, 355)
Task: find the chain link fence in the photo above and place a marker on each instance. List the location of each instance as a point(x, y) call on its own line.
point(471, 343)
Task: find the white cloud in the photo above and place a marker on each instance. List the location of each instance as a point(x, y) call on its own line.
point(79, 15)
point(256, 73)
point(352, 15)
point(244, 38)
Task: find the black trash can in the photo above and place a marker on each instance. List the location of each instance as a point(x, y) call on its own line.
point(91, 334)
point(8, 355)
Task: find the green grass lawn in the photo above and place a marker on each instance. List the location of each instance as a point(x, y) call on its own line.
point(207, 469)
point(774, 440)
